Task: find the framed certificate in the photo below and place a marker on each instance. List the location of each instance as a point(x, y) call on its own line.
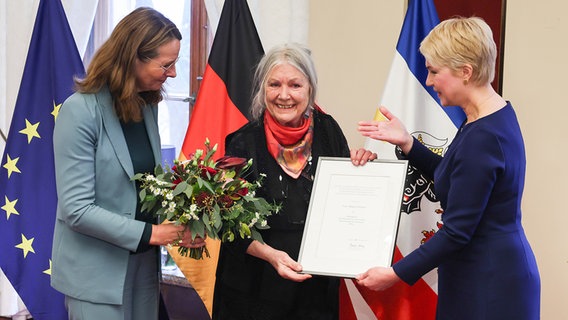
point(353, 216)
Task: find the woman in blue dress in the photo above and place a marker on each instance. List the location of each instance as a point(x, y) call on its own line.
point(486, 267)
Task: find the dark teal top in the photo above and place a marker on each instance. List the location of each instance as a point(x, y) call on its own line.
point(143, 162)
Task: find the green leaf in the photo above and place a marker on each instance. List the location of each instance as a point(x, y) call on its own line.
point(181, 187)
point(217, 220)
point(256, 236)
point(200, 182)
point(207, 186)
point(205, 219)
point(197, 228)
point(188, 191)
point(146, 206)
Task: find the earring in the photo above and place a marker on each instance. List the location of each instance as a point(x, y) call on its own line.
point(465, 82)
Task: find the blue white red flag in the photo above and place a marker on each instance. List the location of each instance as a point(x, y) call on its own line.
point(28, 198)
point(407, 97)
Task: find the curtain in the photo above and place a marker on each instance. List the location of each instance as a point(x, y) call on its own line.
point(276, 21)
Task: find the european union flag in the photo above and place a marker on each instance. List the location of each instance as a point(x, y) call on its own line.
point(28, 197)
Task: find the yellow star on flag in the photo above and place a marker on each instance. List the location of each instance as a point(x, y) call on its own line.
point(10, 165)
point(10, 207)
point(26, 245)
point(30, 131)
point(48, 271)
point(55, 111)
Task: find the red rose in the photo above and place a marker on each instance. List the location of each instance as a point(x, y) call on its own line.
point(205, 170)
point(242, 192)
point(178, 169)
point(176, 181)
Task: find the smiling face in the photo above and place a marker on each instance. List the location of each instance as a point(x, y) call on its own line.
point(150, 73)
point(447, 83)
point(287, 94)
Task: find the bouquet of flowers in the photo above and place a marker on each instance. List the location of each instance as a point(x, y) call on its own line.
point(210, 197)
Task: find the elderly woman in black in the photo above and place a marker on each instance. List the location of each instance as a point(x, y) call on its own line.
point(288, 135)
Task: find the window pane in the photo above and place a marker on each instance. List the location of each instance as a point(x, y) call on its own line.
point(179, 12)
point(173, 118)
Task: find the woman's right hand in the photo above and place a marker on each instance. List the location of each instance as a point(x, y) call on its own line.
point(378, 278)
point(286, 267)
point(392, 130)
point(166, 233)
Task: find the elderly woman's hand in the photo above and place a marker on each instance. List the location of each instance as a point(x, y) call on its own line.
point(361, 156)
point(286, 267)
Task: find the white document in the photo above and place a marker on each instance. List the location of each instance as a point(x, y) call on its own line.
point(353, 216)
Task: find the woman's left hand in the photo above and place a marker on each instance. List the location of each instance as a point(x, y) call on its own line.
point(361, 156)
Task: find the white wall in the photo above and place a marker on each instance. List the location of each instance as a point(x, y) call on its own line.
point(535, 71)
point(354, 43)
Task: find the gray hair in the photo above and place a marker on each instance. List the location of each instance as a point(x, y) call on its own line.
point(294, 54)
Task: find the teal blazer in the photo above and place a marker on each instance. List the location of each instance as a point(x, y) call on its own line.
point(95, 230)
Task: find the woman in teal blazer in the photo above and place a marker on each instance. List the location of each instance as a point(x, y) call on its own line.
point(105, 258)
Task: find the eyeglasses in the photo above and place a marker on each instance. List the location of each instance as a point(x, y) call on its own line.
point(165, 68)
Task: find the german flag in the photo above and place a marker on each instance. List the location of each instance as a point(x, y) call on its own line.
point(222, 105)
point(224, 98)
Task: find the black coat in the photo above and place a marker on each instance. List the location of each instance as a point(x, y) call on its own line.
point(256, 278)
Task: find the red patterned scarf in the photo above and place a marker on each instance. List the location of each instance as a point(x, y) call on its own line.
point(291, 147)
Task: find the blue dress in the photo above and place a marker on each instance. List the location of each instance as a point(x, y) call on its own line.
point(486, 267)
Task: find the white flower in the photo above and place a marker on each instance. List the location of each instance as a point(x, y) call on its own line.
point(252, 222)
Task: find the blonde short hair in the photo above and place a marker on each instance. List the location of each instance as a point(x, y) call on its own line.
point(459, 41)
